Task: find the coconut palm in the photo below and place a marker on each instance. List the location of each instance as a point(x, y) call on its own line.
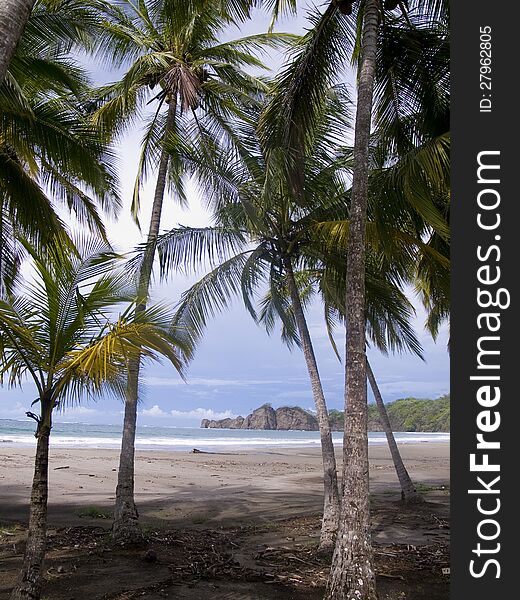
point(254, 266)
point(409, 492)
point(391, 341)
point(254, 201)
point(337, 33)
point(390, 335)
point(410, 168)
point(54, 21)
point(51, 155)
point(398, 231)
point(57, 332)
point(352, 571)
point(262, 239)
point(197, 87)
point(410, 261)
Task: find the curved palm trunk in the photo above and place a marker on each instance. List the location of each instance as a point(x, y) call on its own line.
point(408, 491)
point(29, 583)
point(352, 574)
point(126, 518)
point(329, 524)
point(14, 15)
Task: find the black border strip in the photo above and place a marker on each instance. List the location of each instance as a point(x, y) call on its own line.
point(473, 132)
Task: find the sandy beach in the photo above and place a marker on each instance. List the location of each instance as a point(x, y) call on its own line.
point(223, 488)
point(267, 498)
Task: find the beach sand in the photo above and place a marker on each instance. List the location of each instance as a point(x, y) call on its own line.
point(224, 488)
point(259, 496)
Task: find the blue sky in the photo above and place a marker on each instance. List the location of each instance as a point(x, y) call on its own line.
point(237, 367)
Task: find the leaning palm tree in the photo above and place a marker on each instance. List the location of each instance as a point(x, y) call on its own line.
point(57, 332)
point(409, 492)
point(387, 313)
point(422, 250)
point(197, 87)
point(251, 260)
point(388, 326)
point(394, 311)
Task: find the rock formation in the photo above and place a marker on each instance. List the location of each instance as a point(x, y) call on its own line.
point(265, 417)
point(406, 414)
point(261, 418)
point(294, 417)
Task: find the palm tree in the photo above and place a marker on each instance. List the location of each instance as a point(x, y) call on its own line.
point(394, 312)
point(49, 23)
point(408, 490)
point(416, 186)
point(50, 153)
point(14, 15)
point(56, 332)
point(336, 34)
point(352, 572)
point(264, 238)
point(198, 86)
point(387, 322)
point(397, 334)
point(398, 231)
point(255, 202)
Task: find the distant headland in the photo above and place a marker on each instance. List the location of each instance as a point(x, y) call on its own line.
point(406, 414)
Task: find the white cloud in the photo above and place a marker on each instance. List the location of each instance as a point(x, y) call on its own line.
point(201, 381)
point(82, 410)
point(155, 411)
point(202, 413)
point(196, 413)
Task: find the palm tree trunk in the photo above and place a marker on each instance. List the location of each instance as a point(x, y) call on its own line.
point(329, 523)
point(408, 491)
point(126, 518)
point(29, 582)
point(14, 15)
point(352, 574)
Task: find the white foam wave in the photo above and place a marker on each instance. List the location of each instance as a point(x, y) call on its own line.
point(213, 442)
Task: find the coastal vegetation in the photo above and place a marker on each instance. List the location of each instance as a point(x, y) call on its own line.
point(406, 414)
point(314, 198)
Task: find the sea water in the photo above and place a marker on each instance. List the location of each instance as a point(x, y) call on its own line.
point(87, 435)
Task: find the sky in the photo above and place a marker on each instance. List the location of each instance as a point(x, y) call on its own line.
point(237, 367)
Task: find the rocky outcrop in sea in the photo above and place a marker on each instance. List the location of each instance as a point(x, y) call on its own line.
point(266, 417)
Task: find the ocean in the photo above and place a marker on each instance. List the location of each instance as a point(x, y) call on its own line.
point(87, 435)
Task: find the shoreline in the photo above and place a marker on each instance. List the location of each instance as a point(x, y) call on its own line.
point(218, 440)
